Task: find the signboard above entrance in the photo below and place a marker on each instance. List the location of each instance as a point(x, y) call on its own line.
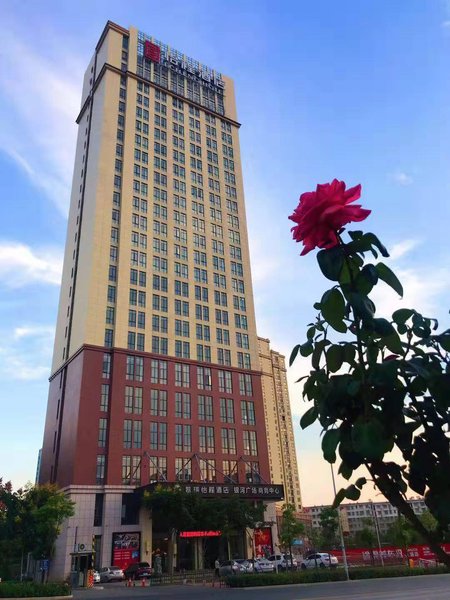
point(272, 491)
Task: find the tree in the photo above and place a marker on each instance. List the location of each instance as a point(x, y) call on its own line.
point(387, 384)
point(30, 521)
point(290, 528)
point(329, 526)
point(367, 537)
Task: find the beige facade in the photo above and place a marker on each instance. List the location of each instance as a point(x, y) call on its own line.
point(280, 434)
point(201, 241)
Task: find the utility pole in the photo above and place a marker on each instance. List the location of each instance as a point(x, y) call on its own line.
point(344, 553)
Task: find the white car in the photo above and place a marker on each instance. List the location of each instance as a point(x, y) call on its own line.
point(245, 565)
point(108, 574)
point(262, 565)
point(321, 560)
point(282, 562)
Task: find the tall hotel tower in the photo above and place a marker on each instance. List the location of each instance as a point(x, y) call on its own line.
point(156, 371)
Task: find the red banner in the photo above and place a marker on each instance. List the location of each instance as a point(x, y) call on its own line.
point(263, 542)
point(152, 52)
point(198, 534)
point(126, 549)
point(390, 553)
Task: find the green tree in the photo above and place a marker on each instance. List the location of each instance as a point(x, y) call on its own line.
point(385, 386)
point(290, 528)
point(329, 527)
point(366, 537)
point(30, 521)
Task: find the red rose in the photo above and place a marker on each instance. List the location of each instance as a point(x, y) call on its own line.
point(320, 215)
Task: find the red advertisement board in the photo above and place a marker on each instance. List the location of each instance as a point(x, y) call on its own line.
point(152, 52)
point(126, 549)
point(263, 542)
point(390, 553)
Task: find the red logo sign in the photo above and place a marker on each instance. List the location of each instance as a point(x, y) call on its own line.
point(152, 51)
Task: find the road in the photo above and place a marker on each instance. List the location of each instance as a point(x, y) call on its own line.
point(427, 587)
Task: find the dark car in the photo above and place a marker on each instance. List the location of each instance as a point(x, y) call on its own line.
point(138, 570)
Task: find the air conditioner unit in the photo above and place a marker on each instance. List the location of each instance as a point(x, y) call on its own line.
point(82, 547)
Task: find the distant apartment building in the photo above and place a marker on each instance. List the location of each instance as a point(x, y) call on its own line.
point(279, 427)
point(354, 515)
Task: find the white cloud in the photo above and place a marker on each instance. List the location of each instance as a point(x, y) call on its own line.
point(20, 265)
point(402, 248)
point(445, 24)
point(401, 178)
point(28, 352)
point(40, 99)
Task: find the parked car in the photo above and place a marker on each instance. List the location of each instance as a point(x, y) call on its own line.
point(138, 571)
point(262, 565)
point(319, 560)
point(245, 565)
point(230, 567)
point(108, 574)
point(282, 562)
point(96, 577)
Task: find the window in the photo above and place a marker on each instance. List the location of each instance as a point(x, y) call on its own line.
point(182, 375)
point(205, 408)
point(250, 445)
point(159, 372)
point(131, 470)
point(157, 468)
point(133, 400)
point(183, 469)
point(102, 427)
point(203, 353)
point(109, 333)
point(228, 437)
point(158, 436)
point(204, 381)
point(158, 403)
point(127, 433)
point(182, 405)
point(245, 384)
point(106, 370)
point(100, 470)
point(183, 438)
point(207, 469)
point(206, 439)
point(225, 384)
point(248, 413)
point(135, 368)
point(227, 410)
point(230, 471)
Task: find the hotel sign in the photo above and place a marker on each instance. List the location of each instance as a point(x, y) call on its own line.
point(219, 490)
point(184, 67)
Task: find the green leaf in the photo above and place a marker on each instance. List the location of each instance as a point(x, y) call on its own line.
point(352, 493)
point(374, 241)
point(393, 343)
point(401, 315)
point(362, 305)
point(389, 277)
point(335, 357)
point(333, 309)
point(306, 349)
point(329, 444)
point(330, 262)
point(382, 327)
point(368, 439)
point(360, 482)
point(294, 354)
point(308, 418)
point(339, 497)
point(345, 470)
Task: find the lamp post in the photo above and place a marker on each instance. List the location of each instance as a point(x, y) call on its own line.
point(344, 553)
point(377, 529)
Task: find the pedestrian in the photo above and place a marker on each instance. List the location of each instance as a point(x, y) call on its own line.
point(216, 567)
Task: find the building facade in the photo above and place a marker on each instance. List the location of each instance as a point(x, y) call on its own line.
point(280, 433)
point(156, 371)
point(354, 515)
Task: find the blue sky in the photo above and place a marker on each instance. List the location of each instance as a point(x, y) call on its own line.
point(354, 90)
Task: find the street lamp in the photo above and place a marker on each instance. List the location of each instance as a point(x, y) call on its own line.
point(344, 553)
point(377, 529)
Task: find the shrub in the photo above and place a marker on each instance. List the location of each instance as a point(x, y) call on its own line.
point(322, 575)
point(10, 589)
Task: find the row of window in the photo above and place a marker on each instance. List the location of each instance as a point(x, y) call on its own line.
point(132, 437)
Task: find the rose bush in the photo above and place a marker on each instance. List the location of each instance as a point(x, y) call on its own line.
point(387, 384)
